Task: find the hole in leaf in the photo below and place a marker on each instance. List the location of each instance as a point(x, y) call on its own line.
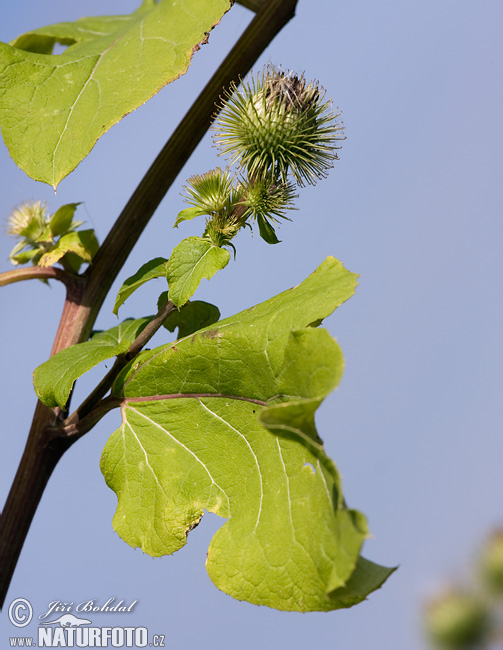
point(59, 48)
point(311, 467)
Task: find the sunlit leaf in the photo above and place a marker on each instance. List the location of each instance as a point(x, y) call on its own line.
point(192, 260)
point(53, 380)
point(62, 219)
point(155, 268)
point(187, 215)
point(53, 108)
point(82, 243)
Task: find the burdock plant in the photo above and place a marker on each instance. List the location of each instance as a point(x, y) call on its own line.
point(221, 419)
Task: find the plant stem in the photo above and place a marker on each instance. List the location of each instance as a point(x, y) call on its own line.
point(36, 272)
point(43, 450)
point(47, 443)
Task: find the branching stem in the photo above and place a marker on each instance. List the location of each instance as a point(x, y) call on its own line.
point(88, 405)
point(37, 272)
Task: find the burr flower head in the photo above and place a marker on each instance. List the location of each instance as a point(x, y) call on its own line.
point(277, 124)
point(212, 192)
point(27, 220)
point(268, 198)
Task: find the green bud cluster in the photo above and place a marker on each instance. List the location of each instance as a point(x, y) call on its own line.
point(274, 128)
point(44, 239)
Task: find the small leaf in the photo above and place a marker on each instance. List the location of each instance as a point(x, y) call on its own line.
point(190, 318)
point(23, 257)
point(223, 421)
point(53, 108)
point(62, 219)
point(155, 268)
point(192, 260)
point(187, 215)
point(53, 380)
point(82, 243)
point(266, 230)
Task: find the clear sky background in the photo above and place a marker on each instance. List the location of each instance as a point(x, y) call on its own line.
point(414, 206)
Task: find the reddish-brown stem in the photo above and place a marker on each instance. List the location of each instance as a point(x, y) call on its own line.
point(43, 450)
point(75, 428)
point(88, 405)
point(47, 442)
point(36, 272)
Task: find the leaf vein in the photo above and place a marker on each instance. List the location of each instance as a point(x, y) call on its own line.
point(193, 269)
point(288, 492)
point(324, 480)
point(158, 426)
point(253, 454)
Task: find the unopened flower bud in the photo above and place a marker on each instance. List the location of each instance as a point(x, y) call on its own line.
point(212, 192)
point(27, 220)
point(456, 620)
point(268, 198)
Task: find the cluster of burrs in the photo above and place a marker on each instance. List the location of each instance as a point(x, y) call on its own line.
point(281, 133)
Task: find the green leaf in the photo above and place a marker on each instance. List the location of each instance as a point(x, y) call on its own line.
point(155, 268)
point(192, 260)
point(71, 262)
point(366, 578)
point(53, 108)
point(190, 318)
point(223, 421)
point(24, 256)
point(187, 215)
point(62, 219)
point(82, 243)
point(266, 230)
point(53, 380)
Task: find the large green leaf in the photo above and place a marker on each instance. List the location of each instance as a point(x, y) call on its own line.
point(192, 260)
point(53, 380)
point(53, 108)
point(223, 421)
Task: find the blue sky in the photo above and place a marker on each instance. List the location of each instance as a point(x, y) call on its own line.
point(413, 206)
